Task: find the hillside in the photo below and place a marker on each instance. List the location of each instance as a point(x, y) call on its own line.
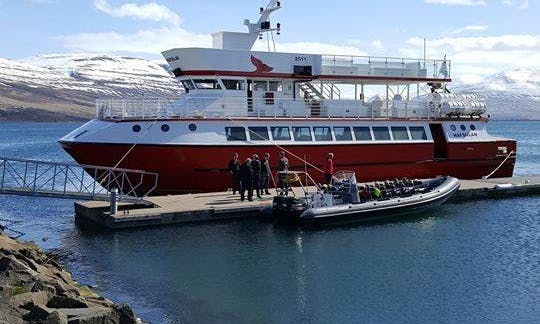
point(64, 87)
point(512, 94)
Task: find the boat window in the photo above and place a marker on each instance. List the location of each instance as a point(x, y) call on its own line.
point(235, 133)
point(281, 133)
point(322, 133)
point(234, 84)
point(302, 134)
point(188, 85)
point(400, 133)
point(362, 133)
point(275, 86)
point(381, 133)
point(258, 133)
point(343, 133)
point(260, 86)
point(418, 133)
point(207, 84)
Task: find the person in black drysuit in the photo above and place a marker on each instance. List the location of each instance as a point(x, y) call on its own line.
point(283, 167)
point(265, 173)
point(234, 170)
point(246, 180)
point(256, 165)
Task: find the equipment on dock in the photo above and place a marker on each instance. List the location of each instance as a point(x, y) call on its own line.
point(344, 200)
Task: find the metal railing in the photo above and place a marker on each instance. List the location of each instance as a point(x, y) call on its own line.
point(373, 66)
point(64, 180)
point(224, 107)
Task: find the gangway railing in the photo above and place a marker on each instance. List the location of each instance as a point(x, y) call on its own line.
point(73, 181)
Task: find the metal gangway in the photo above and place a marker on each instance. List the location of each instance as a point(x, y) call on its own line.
point(28, 177)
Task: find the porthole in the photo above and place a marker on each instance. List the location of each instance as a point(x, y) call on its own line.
point(453, 128)
point(192, 127)
point(463, 127)
point(473, 127)
point(136, 128)
point(165, 128)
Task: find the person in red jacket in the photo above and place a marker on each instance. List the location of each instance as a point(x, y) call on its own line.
point(329, 168)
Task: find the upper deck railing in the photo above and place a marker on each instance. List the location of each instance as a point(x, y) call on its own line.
point(431, 106)
point(389, 67)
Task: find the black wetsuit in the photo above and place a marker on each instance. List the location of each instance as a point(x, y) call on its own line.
point(234, 170)
point(256, 165)
point(265, 176)
point(246, 181)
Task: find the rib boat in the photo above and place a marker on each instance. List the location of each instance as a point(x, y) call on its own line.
point(382, 117)
point(345, 201)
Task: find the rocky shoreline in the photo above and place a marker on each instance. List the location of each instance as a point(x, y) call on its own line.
point(35, 288)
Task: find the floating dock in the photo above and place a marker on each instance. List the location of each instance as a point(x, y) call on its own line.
point(217, 206)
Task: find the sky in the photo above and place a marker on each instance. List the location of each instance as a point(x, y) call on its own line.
point(480, 37)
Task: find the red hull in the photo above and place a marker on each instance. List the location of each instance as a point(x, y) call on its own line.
point(185, 169)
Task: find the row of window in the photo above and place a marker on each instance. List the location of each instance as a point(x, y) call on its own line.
point(232, 84)
point(324, 133)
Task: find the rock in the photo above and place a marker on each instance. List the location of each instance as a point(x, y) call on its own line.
point(9, 262)
point(34, 288)
point(127, 316)
point(91, 315)
point(43, 286)
point(66, 302)
point(64, 276)
point(38, 313)
point(30, 300)
point(56, 317)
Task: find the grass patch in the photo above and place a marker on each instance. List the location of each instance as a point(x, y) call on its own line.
point(17, 290)
point(85, 291)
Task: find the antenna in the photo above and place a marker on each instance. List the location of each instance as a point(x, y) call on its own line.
point(245, 41)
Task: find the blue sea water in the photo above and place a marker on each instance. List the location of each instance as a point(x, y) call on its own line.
point(475, 262)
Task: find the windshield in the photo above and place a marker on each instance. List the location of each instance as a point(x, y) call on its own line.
point(344, 176)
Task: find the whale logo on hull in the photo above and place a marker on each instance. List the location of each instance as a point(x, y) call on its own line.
point(260, 66)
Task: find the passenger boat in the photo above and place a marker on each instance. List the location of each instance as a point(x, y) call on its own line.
point(344, 201)
point(234, 99)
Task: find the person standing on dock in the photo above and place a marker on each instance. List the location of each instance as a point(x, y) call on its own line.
point(256, 165)
point(265, 173)
point(329, 168)
point(283, 167)
point(234, 170)
point(246, 180)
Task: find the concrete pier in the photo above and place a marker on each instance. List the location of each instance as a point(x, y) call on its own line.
point(216, 206)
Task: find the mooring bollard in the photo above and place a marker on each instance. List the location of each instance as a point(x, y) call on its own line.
point(114, 202)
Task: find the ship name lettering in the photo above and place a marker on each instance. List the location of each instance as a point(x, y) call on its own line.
point(463, 135)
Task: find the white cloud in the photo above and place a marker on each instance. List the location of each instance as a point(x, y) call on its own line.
point(470, 28)
point(518, 4)
point(476, 57)
point(151, 41)
point(154, 41)
point(469, 3)
point(377, 45)
point(149, 11)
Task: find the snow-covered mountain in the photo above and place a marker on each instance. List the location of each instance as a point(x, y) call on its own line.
point(66, 86)
point(69, 84)
point(511, 94)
